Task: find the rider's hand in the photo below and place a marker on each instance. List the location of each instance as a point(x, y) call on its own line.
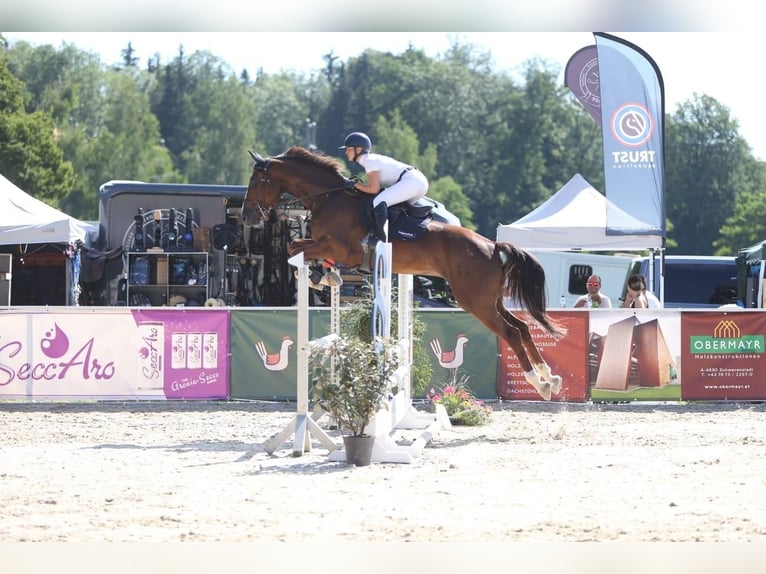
point(350, 183)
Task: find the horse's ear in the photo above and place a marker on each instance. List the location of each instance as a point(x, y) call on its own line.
point(257, 159)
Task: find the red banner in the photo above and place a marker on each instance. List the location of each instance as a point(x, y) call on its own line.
point(567, 357)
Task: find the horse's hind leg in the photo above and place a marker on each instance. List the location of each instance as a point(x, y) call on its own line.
point(540, 366)
point(512, 332)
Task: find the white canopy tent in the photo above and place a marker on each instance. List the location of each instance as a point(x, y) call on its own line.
point(574, 219)
point(27, 220)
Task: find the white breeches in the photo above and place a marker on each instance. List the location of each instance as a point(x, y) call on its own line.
point(410, 188)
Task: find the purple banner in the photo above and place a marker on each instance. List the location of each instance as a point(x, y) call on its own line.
point(186, 352)
point(632, 125)
point(582, 79)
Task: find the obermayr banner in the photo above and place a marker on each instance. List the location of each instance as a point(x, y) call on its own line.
point(632, 124)
point(723, 356)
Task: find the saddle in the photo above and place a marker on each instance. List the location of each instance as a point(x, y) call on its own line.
point(406, 221)
point(93, 263)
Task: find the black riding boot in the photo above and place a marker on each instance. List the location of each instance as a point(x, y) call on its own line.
point(380, 214)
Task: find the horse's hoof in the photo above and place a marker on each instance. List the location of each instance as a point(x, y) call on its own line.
point(556, 382)
point(543, 389)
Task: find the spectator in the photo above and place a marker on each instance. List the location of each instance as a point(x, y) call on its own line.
point(637, 297)
point(594, 298)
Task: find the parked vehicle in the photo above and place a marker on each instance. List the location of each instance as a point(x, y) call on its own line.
point(566, 274)
point(690, 281)
point(751, 263)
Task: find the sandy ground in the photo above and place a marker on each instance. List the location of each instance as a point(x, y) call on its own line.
point(537, 472)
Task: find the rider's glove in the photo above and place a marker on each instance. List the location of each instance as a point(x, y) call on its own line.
point(350, 183)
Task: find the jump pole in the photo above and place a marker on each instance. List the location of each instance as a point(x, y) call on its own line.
point(303, 425)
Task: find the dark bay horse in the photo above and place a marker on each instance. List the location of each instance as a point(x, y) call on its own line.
point(481, 272)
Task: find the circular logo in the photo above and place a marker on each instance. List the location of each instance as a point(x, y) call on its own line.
point(632, 125)
point(589, 83)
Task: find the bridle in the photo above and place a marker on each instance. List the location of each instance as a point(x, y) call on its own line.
point(262, 165)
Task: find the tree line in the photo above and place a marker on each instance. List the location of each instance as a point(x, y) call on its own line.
point(494, 145)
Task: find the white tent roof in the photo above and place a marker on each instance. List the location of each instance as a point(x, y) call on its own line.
point(575, 218)
point(25, 219)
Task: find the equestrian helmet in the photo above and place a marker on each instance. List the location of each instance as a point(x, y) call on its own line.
point(357, 139)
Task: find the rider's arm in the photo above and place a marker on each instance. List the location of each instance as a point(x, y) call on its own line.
point(373, 183)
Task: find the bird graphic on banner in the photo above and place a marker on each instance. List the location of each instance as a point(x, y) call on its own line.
point(450, 359)
point(275, 361)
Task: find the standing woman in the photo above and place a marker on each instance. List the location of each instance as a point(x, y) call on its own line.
point(398, 181)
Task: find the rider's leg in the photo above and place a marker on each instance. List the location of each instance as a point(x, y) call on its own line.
point(380, 216)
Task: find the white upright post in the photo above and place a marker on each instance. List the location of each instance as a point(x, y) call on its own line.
point(302, 425)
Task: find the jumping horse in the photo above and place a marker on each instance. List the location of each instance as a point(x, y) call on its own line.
point(481, 272)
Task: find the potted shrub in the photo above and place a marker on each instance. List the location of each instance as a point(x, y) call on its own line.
point(357, 390)
point(356, 320)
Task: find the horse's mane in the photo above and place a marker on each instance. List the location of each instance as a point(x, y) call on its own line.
point(320, 160)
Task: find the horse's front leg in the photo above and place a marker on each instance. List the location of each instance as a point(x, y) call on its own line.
point(311, 248)
point(299, 245)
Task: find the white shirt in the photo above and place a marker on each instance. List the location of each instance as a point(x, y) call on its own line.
point(606, 302)
point(389, 168)
point(651, 300)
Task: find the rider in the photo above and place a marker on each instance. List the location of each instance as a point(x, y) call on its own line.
point(398, 181)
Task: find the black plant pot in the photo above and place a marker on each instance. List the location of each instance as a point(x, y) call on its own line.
point(359, 449)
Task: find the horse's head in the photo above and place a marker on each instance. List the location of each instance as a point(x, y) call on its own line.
point(309, 178)
point(262, 193)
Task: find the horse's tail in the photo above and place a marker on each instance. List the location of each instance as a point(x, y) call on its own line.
point(524, 283)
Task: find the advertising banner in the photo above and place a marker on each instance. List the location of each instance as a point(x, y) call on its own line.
point(632, 110)
point(264, 354)
point(582, 79)
point(264, 351)
point(194, 358)
point(635, 355)
point(723, 356)
point(461, 349)
point(566, 357)
point(114, 354)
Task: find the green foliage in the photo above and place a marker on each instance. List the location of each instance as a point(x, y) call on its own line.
point(447, 191)
point(349, 379)
point(747, 224)
point(29, 154)
point(461, 406)
point(494, 145)
point(356, 321)
point(707, 164)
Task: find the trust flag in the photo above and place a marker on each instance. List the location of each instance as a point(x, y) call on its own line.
point(621, 86)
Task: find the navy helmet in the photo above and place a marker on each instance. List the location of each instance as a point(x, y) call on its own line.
point(357, 139)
